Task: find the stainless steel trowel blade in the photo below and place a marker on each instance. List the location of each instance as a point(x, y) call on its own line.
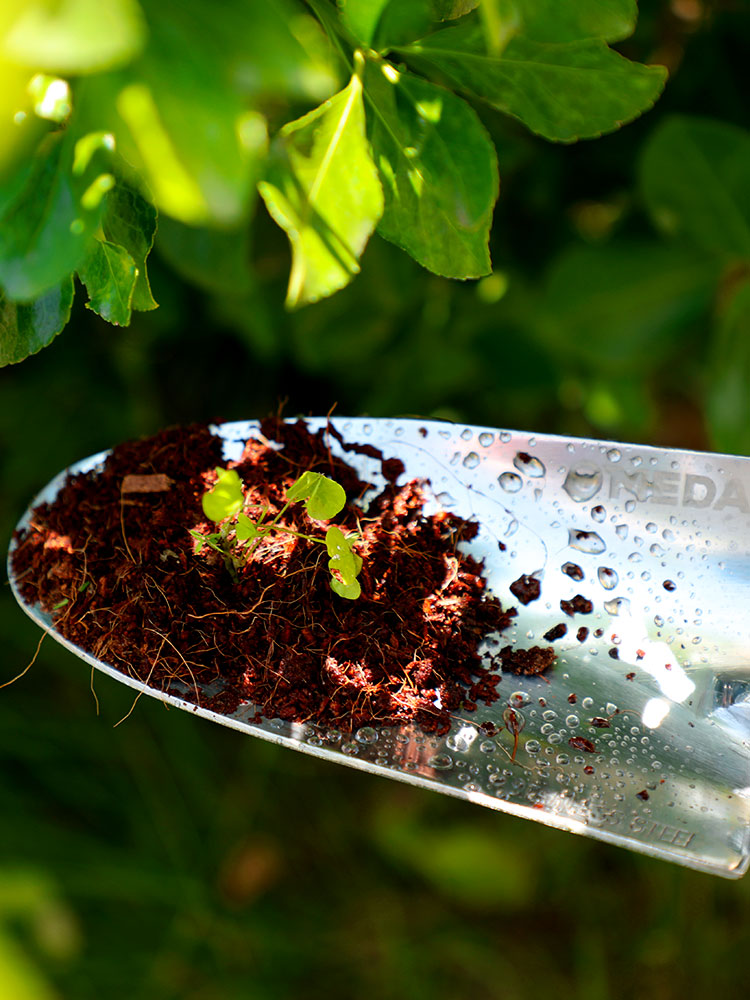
point(659, 541)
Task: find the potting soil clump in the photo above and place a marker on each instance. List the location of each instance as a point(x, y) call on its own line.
point(114, 560)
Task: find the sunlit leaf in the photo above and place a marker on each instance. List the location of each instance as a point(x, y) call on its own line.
point(562, 91)
point(439, 172)
point(695, 177)
point(76, 36)
point(109, 274)
point(225, 498)
point(343, 563)
point(324, 498)
point(27, 327)
point(45, 231)
point(322, 188)
point(130, 222)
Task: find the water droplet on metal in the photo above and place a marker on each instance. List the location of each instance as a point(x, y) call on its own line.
point(460, 742)
point(505, 436)
point(608, 578)
point(614, 455)
point(622, 531)
point(441, 761)
point(572, 721)
point(511, 482)
point(366, 735)
point(583, 482)
point(533, 746)
point(486, 439)
point(471, 461)
point(656, 550)
point(598, 513)
point(467, 434)
point(529, 464)
point(487, 746)
point(585, 541)
point(617, 606)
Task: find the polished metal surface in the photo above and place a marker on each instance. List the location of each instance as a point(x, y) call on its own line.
point(659, 541)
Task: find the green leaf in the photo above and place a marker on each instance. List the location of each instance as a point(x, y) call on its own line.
point(225, 499)
point(622, 306)
point(109, 274)
point(245, 529)
point(217, 260)
point(46, 230)
point(439, 172)
point(695, 177)
point(184, 123)
point(130, 222)
point(27, 327)
point(343, 563)
point(449, 10)
point(553, 21)
point(361, 17)
point(728, 402)
point(76, 36)
point(322, 188)
point(402, 22)
point(564, 92)
point(324, 497)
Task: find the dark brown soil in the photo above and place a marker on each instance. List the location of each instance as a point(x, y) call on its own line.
point(114, 560)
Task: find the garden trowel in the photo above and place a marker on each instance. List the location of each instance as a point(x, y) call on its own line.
point(640, 735)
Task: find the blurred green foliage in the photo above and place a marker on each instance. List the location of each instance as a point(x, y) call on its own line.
point(167, 858)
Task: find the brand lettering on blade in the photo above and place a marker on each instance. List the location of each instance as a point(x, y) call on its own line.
point(672, 488)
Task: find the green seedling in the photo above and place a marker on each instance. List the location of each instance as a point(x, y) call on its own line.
point(238, 535)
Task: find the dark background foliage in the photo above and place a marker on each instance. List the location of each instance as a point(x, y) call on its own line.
point(170, 858)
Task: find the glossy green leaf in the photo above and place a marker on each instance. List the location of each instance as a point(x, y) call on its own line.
point(695, 177)
point(322, 188)
point(130, 222)
point(76, 36)
point(564, 92)
point(343, 563)
point(361, 17)
point(27, 327)
point(439, 172)
point(728, 402)
point(225, 498)
point(324, 498)
point(109, 274)
point(46, 230)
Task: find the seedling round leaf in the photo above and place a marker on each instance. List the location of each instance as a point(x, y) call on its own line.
point(344, 562)
point(323, 497)
point(246, 529)
point(349, 590)
point(226, 497)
